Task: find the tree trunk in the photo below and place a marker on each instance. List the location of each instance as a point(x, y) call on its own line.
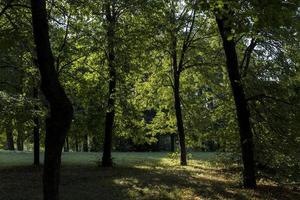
point(110, 113)
point(36, 128)
point(9, 137)
point(66, 147)
point(20, 139)
point(176, 92)
point(85, 143)
point(172, 143)
point(76, 143)
point(61, 111)
point(180, 128)
point(243, 114)
point(36, 141)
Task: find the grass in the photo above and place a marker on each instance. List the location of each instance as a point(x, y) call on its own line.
point(141, 176)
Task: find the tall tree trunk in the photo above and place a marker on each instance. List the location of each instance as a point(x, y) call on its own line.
point(110, 113)
point(36, 131)
point(9, 137)
point(61, 111)
point(243, 114)
point(85, 143)
point(176, 92)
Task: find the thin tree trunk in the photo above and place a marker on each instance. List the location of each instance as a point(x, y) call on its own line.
point(20, 139)
point(110, 113)
point(85, 143)
point(9, 137)
point(180, 128)
point(243, 115)
point(176, 92)
point(76, 143)
point(61, 111)
point(172, 142)
point(36, 131)
point(66, 146)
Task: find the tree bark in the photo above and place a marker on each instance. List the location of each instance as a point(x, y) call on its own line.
point(110, 113)
point(36, 132)
point(61, 111)
point(243, 114)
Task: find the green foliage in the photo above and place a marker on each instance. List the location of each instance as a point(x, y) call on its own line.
point(144, 83)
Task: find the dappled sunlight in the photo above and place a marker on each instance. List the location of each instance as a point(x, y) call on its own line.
point(126, 181)
point(134, 177)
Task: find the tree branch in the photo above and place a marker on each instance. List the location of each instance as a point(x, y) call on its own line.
point(263, 96)
point(247, 56)
point(63, 44)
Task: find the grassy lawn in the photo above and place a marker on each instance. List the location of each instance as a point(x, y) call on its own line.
point(141, 176)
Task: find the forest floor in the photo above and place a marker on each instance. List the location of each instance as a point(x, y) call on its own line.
point(138, 176)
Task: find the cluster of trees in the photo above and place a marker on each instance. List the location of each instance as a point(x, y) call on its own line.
point(109, 71)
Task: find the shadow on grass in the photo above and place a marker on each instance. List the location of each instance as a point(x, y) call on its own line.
point(87, 182)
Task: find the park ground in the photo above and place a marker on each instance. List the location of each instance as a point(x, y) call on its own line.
point(140, 176)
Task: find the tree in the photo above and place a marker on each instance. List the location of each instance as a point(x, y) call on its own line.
point(61, 111)
point(111, 20)
point(256, 22)
point(183, 34)
point(243, 114)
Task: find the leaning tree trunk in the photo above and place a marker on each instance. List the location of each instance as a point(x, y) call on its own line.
point(110, 113)
point(61, 111)
point(243, 114)
point(36, 132)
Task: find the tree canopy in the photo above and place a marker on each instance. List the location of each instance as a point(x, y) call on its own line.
point(148, 75)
